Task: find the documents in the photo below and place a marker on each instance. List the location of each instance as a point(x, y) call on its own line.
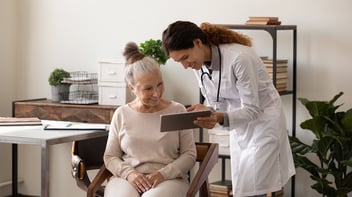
point(64, 125)
point(180, 121)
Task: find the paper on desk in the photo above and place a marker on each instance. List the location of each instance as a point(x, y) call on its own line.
point(65, 125)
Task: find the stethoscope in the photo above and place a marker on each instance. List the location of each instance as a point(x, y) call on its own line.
point(207, 74)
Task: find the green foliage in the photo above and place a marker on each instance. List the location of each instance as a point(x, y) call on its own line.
point(153, 48)
point(332, 147)
point(57, 76)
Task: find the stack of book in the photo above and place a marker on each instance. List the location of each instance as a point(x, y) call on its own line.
point(281, 72)
point(221, 189)
point(279, 193)
point(263, 20)
point(13, 121)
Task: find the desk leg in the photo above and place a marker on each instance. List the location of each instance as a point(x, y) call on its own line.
point(44, 170)
point(14, 170)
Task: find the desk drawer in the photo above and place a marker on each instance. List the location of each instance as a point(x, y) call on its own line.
point(114, 95)
point(111, 72)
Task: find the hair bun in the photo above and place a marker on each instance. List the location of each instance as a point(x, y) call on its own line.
point(132, 53)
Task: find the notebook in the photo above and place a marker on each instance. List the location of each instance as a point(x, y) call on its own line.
point(180, 121)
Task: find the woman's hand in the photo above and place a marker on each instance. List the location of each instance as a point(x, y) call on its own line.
point(155, 178)
point(139, 181)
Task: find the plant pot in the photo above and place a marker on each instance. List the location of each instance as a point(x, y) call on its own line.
point(60, 92)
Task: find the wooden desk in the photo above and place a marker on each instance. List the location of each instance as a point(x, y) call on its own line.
point(48, 110)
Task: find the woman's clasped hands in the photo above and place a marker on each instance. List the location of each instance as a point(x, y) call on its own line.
point(142, 182)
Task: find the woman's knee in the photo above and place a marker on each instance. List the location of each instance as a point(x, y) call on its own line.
point(118, 186)
point(170, 188)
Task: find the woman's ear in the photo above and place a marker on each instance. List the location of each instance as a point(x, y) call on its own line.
point(130, 86)
point(197, 42)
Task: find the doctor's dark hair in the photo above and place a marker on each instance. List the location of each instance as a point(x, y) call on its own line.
point(137, 62)
point(180, 35)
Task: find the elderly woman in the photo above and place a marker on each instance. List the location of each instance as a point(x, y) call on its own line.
point(144, 161)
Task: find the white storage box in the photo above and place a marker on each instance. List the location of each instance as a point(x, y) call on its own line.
point(220, 136)
point(112, 87)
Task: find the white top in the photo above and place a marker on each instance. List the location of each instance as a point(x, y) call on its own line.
point(136, 143)
point(261, 157)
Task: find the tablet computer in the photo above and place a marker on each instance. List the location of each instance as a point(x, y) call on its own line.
point(182, 120)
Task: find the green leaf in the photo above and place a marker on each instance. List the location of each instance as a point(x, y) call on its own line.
point(57, 75)
point(299, 147)
point(347, 122)
point(153, 48)
point(347, 162)
point(332, 146)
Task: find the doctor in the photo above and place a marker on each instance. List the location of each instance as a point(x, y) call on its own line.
point(235, 84)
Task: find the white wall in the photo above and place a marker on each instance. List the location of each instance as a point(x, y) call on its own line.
point(7, 78)
point(39, 35)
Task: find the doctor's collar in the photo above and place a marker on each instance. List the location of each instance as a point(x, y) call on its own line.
point(214, 65)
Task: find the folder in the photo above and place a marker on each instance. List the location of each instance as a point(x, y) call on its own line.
point(63, 125)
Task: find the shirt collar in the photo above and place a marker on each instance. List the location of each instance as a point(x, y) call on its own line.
point(215, 57)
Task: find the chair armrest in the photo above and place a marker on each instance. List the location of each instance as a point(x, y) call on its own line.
point(78, 172)
point(102, 175)
point(200, 180)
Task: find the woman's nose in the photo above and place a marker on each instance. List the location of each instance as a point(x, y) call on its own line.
point(156, 92)
point(186, 64)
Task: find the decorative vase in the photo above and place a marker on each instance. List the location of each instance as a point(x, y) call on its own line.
point(60, 92)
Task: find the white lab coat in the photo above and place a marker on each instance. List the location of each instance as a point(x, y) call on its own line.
point(261, 157)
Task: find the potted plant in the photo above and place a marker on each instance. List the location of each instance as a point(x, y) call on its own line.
point(153, 48)
point(59, 90)
point(332, 147)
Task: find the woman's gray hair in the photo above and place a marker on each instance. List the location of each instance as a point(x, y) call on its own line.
point(145, 65)
point(137, 62)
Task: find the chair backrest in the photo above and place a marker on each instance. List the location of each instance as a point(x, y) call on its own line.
point(87, 155)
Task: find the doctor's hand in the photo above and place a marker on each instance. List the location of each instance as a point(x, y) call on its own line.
point(197, 107)
point(207, 122)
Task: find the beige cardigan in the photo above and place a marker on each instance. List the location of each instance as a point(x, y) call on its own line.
point(136, 143)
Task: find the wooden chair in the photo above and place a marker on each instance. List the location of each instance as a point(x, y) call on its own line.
point(88, 155)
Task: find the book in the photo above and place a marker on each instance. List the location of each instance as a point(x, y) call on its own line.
point(14, 121)
point(263, 20)
point(220, 188)
point(278, 61)
point(274, 18)
point(281, 81)
point(279, 75)
point(279, 193)
point(282, 69)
